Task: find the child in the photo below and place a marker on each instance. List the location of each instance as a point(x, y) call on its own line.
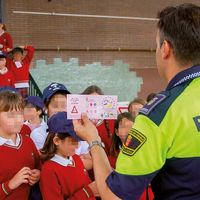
point(6, 41)
point(20, 67)
point(63, 175)
point(104, 127)
point(135, 106)
point(33, 112)
point(18, 156)
point(6, 77)
point(55, 100)
point(123, 125)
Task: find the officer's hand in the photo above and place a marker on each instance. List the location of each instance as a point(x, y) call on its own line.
point(85, 129)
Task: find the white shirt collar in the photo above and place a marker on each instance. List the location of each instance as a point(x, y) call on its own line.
point(62, 161)
point(10, 142)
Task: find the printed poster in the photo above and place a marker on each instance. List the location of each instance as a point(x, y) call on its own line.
point(95, 106)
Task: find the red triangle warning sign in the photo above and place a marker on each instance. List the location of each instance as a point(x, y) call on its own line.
point(123, 109)
point(74, 110)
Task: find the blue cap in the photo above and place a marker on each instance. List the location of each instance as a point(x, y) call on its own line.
point(36, 101)
point(2, 54)
point(50, 90)
point(58, 123)
point(8, 88)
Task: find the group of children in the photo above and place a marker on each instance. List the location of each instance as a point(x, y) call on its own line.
point(51, 154)
point(42, 160)
point(14, 66)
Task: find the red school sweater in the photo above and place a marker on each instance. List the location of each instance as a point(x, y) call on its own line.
point(58, 182)
point(103, 133)
point(6, 41)
point(21, 74)
point(7, 79)
point(13, 159)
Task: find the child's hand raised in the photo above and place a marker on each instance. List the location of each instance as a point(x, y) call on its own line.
point(21, 177)
point(34, 177)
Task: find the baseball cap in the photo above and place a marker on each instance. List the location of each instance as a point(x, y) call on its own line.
point(36, 101)
point(58, 123)
point(2, 54)
point(54, 87)
point(8, 88)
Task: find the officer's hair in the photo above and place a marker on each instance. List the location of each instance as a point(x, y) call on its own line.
point(180, 26)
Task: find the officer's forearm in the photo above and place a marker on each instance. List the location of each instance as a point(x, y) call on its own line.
point(102, 169)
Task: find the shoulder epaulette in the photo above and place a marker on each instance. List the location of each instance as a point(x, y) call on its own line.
point(159, 98)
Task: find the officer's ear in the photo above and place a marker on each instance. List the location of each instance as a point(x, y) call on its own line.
point(166, 49)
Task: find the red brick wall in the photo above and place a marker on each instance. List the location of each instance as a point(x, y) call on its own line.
point(74, 36)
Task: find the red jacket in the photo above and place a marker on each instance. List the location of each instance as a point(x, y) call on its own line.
point(6, 41)
point(7, 79)
point(21, 74)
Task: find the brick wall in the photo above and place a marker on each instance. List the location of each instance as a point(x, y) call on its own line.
point(91, 39)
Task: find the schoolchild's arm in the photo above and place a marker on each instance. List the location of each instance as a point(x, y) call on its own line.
point(30, 53)
point(21, 177)
point(87, 192)
point(9, 43)
point(37, 159)
point(35, 173)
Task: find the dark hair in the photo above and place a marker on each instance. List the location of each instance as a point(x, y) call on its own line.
point(150, 96)
point(26, 104)
point(180, 26)
point(10, 101)
point(136, 101)
point(49, 149)
point(4, 27)
point(17, 49)
point(91, 89)
point(116, 142)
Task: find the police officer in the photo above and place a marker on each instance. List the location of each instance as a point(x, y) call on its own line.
point(163, 146)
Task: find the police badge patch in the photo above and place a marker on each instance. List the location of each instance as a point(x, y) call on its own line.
point(133, 142)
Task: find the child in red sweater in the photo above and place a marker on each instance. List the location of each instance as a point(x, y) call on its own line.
point(6, 76)
point(18, 155)
point(6, 41)
point(123, 125)
point(63, 175)
point(20, 67)
point(105, 127)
